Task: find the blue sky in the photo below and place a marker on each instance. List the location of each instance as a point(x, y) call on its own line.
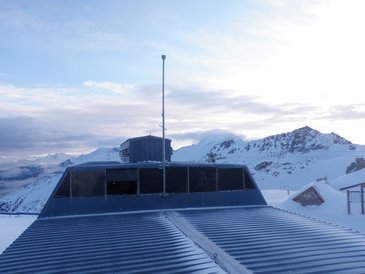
point(77, 75)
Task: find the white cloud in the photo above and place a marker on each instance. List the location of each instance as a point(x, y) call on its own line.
point(295, 52)
point(264, 69)
point(123, 89)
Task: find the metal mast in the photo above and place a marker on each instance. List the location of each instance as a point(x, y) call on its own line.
point(163, 57)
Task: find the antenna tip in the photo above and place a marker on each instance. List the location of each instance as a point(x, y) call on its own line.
point(163, 57)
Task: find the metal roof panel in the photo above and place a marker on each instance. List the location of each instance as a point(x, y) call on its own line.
point(238, 240)
point(268, 240)
point(129, 243)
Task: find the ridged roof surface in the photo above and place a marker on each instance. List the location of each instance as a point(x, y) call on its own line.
point(260, 239)
point(135, 243)
point(267, 240)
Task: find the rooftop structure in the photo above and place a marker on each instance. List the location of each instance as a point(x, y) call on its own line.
point(112, 218)
point(113, 187)
point(145, 148)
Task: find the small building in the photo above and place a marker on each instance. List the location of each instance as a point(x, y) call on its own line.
point(309, 196)
point(145, 148)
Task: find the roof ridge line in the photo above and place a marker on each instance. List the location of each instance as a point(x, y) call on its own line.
point(148, 211)
point(217, 254)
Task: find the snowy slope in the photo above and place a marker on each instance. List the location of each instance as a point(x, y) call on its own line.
point(35, 190)
point(11, 226)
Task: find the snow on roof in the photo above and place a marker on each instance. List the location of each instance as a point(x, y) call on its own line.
point(310, 196)
point(350, 179)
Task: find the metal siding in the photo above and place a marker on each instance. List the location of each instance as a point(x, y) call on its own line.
point(143, 149)
point(98, 205)
point(148, 148)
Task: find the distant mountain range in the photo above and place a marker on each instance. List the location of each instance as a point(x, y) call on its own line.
point(286, 161)
point(283, 161)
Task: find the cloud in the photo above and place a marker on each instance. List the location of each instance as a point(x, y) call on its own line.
point(53, 119)
point(202, 99)
point(196, 136)
point(116, 88)
point(26, 133)
point(258, 68)
point(106, 113)
point(25, 136)
point(347, 112)
point(105, 85)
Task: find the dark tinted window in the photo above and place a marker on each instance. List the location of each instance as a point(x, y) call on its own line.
point(176, 179)
point(88, 183)
point(248, 180)
point(202, 179)
point(122, 174)
point(121, 187)
point(150, 180)
point(64, 189)
point(230, 178)
point(122, 181)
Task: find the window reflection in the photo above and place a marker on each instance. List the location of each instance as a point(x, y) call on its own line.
point(88, 183)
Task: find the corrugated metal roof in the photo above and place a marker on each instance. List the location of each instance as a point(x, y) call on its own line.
point(133, 243)
point(260, 239)
point(268, 240)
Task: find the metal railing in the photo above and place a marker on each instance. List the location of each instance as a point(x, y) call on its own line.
point(355, 197)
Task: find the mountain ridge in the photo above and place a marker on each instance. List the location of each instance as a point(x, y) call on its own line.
point(302, 140)
point(282, 161)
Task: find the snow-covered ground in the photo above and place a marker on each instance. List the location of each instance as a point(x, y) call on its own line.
point(333, 210)
point(11, 226)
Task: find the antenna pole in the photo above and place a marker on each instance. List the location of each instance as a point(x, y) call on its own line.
point(163, 57)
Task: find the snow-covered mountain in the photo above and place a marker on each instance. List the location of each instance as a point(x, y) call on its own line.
point(35, 180)
point(284, 161)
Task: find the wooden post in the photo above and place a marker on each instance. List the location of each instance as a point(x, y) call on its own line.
point(348, 202)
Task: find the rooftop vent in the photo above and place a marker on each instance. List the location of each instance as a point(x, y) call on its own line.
point(144, 149)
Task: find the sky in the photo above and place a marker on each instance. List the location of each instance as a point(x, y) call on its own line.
point(76, 75)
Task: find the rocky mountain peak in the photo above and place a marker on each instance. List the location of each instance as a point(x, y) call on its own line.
point(305, 132)
point(301, 140)
point(337, 139)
